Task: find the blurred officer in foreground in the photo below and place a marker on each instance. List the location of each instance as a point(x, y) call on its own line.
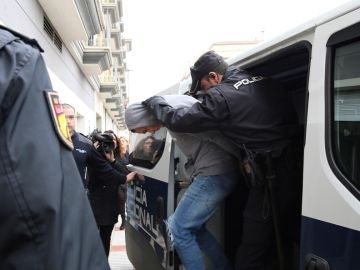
point(46, 220)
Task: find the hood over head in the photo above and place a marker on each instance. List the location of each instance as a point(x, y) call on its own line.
point(137, 116)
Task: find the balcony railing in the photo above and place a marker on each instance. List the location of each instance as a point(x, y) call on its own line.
point(109, 1)
point(99, 40)
point(109, 76)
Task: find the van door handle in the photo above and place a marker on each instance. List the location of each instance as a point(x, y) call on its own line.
point(313, 262)
point(159, 214)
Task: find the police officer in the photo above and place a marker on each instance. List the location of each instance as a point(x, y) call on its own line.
point(258, 116)
point(104, 178)
point(46, 220)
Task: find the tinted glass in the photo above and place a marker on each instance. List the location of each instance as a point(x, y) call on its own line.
point(148, 149)
point(346, 111)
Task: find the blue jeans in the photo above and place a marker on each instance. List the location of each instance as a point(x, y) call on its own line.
point(186, 226)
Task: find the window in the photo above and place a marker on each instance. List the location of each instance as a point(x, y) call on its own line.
point(148, 149)
point(345, 125)
point(54, 36)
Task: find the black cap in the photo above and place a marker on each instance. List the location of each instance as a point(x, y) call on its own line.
point(208, 62)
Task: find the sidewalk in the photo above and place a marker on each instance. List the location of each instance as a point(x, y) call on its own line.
point(118, 259)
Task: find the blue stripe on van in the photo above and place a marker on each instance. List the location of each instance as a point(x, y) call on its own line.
point(339, 246)
point(142, 208)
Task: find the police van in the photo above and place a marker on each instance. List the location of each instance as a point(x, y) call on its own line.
point(319, 64)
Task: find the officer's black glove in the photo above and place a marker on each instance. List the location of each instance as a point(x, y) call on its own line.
point(151, 102)
point(159, 108)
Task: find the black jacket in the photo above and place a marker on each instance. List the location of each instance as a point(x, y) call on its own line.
point(99, 168)
point(251, 110)
point(81, 151)
point(103, 198)
point(104, 179)
point(45, 217)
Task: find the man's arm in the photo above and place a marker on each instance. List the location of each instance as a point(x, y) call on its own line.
point(209, 114)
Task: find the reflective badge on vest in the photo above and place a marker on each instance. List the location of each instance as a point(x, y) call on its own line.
point(58, 117)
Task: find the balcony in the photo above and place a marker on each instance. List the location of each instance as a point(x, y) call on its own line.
point(115, 101)
point(117, 111)
point(109, 84)
point(121, 78)
point(91, 15)
point(116, 36)
point(113, 8)
point(93, 56)
point(123, 91)
point(82, 18)
point(108, 89)
point(116, 47)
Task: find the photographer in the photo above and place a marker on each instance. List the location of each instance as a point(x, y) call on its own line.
point(97, 165)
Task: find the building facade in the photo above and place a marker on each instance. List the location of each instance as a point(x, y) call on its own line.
point(85, 53)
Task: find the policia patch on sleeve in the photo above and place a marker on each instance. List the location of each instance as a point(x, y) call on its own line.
point(58, 118)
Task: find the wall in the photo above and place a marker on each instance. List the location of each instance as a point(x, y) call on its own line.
point(26, 17)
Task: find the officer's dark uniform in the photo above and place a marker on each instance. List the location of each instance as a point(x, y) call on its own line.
point(255, 113)
point(104, 180)
point(46, 220)
point(82, 146)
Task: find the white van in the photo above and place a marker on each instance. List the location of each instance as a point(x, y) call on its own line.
point(319, 64)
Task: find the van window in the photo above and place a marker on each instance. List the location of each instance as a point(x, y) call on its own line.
point(148, 149)
point(346, 110)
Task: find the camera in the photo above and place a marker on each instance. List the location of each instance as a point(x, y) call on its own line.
point(105, 140)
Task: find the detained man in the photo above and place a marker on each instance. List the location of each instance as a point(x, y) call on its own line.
point(214, 173)
point(256, 113)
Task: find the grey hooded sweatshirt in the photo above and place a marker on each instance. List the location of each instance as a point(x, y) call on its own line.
point(208, 153)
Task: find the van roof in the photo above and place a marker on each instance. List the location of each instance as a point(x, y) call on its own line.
point(306, 27)
point(297, 31)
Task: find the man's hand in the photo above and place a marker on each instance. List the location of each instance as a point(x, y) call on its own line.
point(158, 106)
point(133, 175)
point(130, 177)
point(152, 101)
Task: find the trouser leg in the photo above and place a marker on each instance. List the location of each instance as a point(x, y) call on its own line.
point(257, 246)
point(196, 207)
point(122, 201)
point(257, 233)
point(105, 234)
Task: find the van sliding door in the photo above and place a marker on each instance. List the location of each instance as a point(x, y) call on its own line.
point(331, 206)
point(150, 201)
